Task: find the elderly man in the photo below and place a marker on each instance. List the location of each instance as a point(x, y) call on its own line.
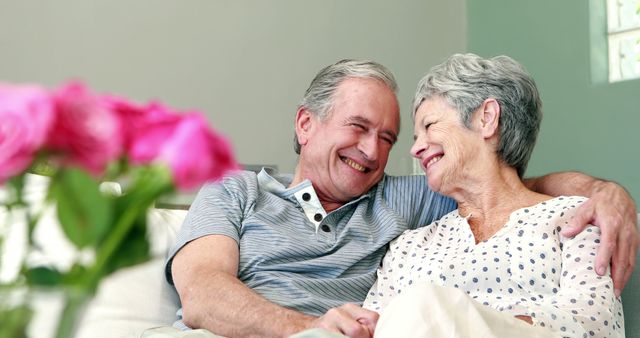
point(262, 255)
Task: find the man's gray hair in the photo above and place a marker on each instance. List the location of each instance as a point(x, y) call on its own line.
point(466, 80)
point(318, 99)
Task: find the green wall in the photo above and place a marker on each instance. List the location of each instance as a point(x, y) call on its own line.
point(589, 125)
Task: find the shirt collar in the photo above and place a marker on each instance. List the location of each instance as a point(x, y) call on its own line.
point(303, 194)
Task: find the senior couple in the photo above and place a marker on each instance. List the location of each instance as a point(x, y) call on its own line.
point(481, 251)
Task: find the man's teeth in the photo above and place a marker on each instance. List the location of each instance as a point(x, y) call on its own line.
point(434, 160)
point(354, 165)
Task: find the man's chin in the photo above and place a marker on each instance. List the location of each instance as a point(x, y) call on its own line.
point(358, 190)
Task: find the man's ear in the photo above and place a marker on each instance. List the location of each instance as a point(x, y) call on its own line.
point(488, 118)
point(303, 123)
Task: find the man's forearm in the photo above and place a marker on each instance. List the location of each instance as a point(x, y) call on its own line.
point(566, 183)
point(225, 306)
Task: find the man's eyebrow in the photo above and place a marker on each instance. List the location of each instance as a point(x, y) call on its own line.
point(364, 121)
point(358, 119)
point(391, 134)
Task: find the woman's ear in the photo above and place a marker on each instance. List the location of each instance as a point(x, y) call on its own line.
point(303, 123)
point(489, 118)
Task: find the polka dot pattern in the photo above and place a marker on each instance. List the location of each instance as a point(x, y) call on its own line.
point(526, 268)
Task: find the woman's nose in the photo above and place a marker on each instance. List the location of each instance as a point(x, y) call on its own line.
point(417, 148)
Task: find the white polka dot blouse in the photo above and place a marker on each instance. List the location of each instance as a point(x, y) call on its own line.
point(526, 268)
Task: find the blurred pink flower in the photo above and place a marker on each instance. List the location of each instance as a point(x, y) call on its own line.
point(26, 116)
point(194, 153)
point(74, 126)
point(135, 118)
point(85, 129)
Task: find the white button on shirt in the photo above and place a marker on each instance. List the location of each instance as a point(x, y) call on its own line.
point(311, 205)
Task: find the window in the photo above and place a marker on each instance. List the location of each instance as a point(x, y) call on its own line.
point(623, 22)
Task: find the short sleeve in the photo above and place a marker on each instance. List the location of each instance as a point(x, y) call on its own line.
point(218, 209)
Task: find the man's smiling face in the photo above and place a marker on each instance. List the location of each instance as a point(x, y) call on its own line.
point(345, 154)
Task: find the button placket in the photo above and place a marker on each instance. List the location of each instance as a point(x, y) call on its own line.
point(311, 206)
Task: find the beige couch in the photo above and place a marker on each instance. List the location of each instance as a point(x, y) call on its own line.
point(137, 298)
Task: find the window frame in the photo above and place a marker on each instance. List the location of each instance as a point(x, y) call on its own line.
point(616, 37)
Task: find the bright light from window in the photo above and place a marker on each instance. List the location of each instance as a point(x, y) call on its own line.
point(624, 39)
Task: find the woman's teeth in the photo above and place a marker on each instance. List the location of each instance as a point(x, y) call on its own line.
point(433, 160)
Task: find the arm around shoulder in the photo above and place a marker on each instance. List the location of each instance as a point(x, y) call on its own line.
point(609, 207)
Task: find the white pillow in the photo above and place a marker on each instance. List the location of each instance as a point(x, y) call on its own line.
point(129, 302)
point(137, 298)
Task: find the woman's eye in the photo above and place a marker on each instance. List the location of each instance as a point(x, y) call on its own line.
point(426, 126)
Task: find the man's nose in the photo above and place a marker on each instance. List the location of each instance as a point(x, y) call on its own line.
point(369, 147)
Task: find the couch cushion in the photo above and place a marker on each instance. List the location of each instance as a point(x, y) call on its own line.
point(129, 302)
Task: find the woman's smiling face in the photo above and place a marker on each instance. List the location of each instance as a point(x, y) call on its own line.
point(442, 143)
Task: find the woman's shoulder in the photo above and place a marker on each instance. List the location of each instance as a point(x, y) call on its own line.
point(555, 206)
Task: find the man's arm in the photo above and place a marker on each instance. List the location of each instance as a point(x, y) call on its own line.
point(204, 272)
point(609, 207)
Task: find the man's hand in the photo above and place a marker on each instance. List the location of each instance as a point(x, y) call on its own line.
point(526, 319)
point(613, 210)
point(350, 320)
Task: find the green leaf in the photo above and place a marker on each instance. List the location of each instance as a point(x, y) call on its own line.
point(14, 320)
point(84, 212)
point(43, 276)
point(126, 243)
point(15, 191)
point(133, 249)
point(77, 275)
point(41, 166)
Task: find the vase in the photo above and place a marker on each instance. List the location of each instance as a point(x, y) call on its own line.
point(43, 312)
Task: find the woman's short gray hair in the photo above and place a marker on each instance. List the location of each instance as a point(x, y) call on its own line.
point(466, 80)
point(318, 99)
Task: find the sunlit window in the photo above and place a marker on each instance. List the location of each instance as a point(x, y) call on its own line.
point(623, 21)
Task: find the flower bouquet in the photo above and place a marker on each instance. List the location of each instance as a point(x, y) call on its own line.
point(82, 140)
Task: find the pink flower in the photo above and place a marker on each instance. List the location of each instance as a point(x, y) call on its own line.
point(26, 116)
point(193, 152)
point(134, 118)
point(86, 131)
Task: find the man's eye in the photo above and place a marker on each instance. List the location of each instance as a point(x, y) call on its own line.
point(388, 140)
point(358, 126)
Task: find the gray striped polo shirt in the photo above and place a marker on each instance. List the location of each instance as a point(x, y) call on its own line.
point(295, 254)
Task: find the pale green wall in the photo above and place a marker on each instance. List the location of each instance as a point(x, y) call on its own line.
point(246, 63)
point(591, 127)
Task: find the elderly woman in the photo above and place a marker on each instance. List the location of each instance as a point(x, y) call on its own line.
point(500, 255)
